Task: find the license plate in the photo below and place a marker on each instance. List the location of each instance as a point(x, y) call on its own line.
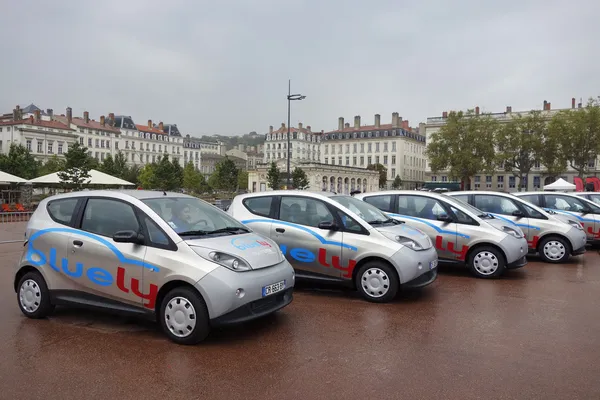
point(273, 288)
point(433, 264)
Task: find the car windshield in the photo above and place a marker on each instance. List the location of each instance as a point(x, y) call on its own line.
point(190, 216)
point(473, 210)
point(371, 214)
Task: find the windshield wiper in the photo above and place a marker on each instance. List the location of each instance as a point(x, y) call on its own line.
point(192, 233)
point(230, 229)
point(378, 222)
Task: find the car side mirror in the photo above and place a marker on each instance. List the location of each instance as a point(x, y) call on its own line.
point(328, 225)
point(444, 218)
point(128, 237)
point(518, 213)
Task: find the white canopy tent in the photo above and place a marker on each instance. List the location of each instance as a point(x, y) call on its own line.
point(560, 184)
point(96, 178)
point(6, 178)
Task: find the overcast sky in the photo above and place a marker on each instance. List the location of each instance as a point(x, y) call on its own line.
point(223, 66)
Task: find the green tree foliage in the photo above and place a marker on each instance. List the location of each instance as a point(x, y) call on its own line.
point(161, 175)
point(192, 178)
point(578, 131)
point(299, 179)
point(116, 166)
point(77, 166)
point(382, 173)
point(146, 177)
point(225, 176)
point(519, 143)
point(53, 164)
point(243, 180)
point(397, 184)
point(464, 145)
point(132, 174)
point(274, 177)
point(19, 162)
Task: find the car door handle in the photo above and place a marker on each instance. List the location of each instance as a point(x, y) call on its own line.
point(280, 230)
point(77, 243)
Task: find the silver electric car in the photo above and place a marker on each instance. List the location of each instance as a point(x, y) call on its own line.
point(167, 256)
point(592, 196)
point(554, 237)
point(337, 238)
point(461, 233)
point(583, 210)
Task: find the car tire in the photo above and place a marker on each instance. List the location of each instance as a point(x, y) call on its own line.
point(184, 317)
point(486, 262)
point(377, 282)
point(33, 296)
point(554, 249)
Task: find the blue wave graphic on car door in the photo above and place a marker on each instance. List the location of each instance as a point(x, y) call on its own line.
point(437, 228)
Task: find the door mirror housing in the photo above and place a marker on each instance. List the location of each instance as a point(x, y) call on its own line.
point(128, 237)
point(518, 213)
point(328, 225)
point(444, 218)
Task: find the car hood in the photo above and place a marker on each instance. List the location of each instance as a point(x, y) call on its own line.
point(497, 222)
point(564, 218)
point(409, 232)
point(256, 250)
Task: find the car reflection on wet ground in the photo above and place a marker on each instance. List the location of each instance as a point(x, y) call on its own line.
point(533, 334)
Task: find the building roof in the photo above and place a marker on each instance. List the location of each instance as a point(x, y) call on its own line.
point(31, 109)
point(284, 129)
point(42, 123)
point(146, 128)
point(91, 124)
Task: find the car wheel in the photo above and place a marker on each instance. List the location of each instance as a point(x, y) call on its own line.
point(377, 282)
point(554, 249)
point(184, 316)
point(33, 296)
point(486, 262)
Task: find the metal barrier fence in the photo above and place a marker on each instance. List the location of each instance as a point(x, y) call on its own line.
point(8, 217)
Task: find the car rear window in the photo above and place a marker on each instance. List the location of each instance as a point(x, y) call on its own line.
point(62, 210)
point(259, 205)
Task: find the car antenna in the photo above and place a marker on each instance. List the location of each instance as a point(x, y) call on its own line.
point(164, 193)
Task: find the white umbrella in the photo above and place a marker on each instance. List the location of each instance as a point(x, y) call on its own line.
point(560, 184)
point(96, 178)
point(8, 178)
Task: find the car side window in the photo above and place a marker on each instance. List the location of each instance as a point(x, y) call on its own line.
point(384, 203)
point(349, 223)
point(595, 198)
point(107, 216)
point(62, 210)
point(156, 235)
point(564, 203)
point(420, 207)
point(259, 205)
point(532, 198)
point(304, 211)
point(461, 217)
point(463, 197)
point(495, 204)
point(531, 212)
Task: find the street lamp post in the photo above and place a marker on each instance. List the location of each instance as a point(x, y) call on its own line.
point(290, 97)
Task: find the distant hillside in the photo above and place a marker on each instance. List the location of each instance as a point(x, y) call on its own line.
point(249, 139)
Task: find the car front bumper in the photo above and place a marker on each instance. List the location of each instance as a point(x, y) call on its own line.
point(514, 250)
point(578, 240)
point(234, 297)
point(416, 268)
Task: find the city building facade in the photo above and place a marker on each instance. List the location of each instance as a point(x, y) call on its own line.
point(321, 177)
point(501, 180)
point(397, 146)
point(305, 144)
point(210, 161)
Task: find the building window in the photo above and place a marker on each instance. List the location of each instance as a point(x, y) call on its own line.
point(60, 148)
point(81, 140)
point(511, 182)
point(49, 147)
point(377, 147)
point(362, 161)
point(39, 146)
point(370, 148)
point(393, 173)
point(488, 181)
point(376, 159)
point(393, 146)
point(347, 160)
point(536, 182)
point(354, 161)
point(393, 160)
point(369, 159)
point(385, 160)
point(444, 178)
point(28, 144)
point(362, 147)
point(385, 146)
point(326, 160)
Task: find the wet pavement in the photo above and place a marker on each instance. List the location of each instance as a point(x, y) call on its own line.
point(534, 334)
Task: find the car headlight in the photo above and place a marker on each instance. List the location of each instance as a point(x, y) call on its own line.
point(575, 224)
point(408, 242)
point(516, 232)
point(228, 261)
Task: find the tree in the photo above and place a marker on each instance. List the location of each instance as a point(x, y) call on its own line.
point(299, 179)
point(579, 133)
point(397, 182)
point(53, 164)
point(192, 179)
point(19, 162)
point(464, 145)
point(382, 173)
point(243, 180)
point(163, 175)
point(116, 166)
point(77, 166)
point(225, 176)
point(519, 144)
point(273, 176)
point(132, 173)
point(147, 177)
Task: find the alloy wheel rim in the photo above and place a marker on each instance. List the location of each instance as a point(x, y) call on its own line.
point(30, 296)
point(375, 282)
point(180, 317)
point(486, 263)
